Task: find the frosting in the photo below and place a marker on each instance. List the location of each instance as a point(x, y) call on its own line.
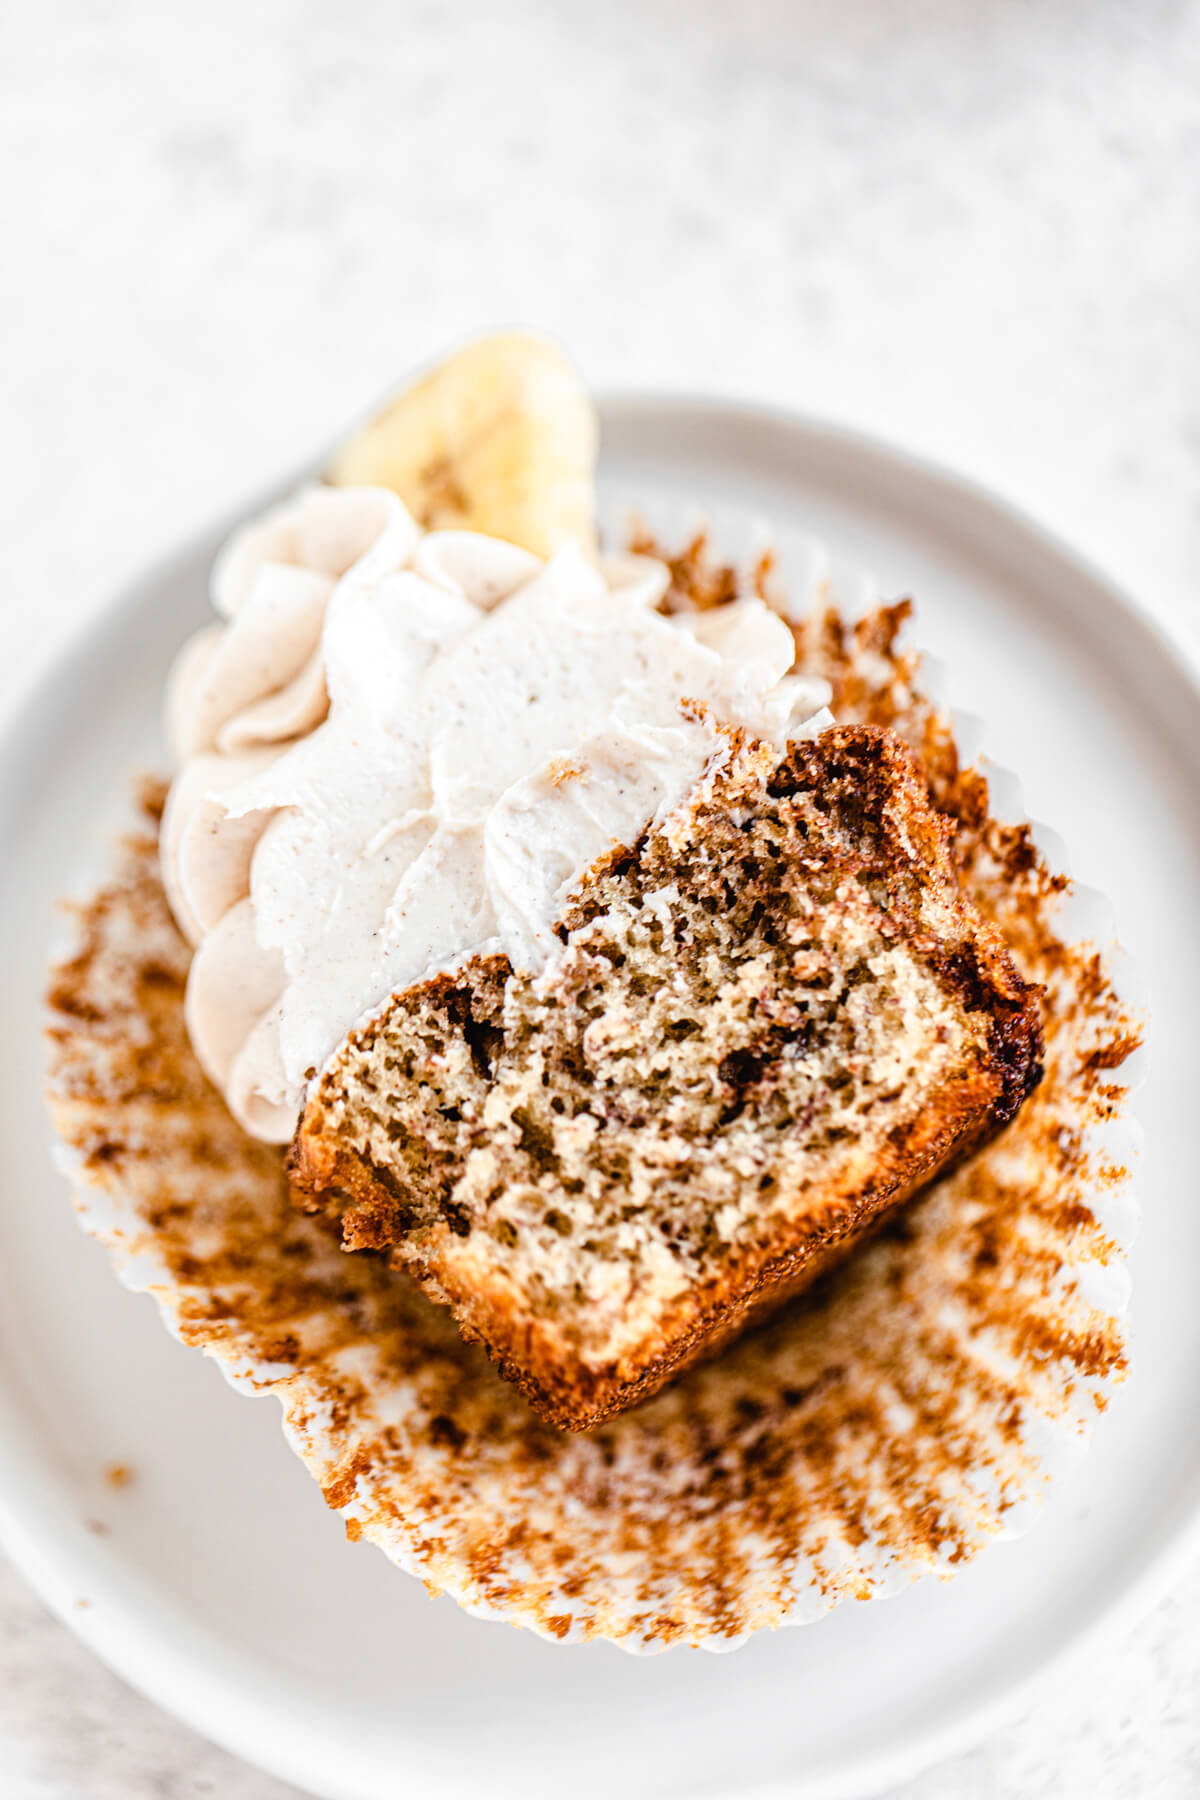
point(396, 749)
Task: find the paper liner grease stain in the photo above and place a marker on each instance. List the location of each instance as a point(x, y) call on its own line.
point(892, 1422)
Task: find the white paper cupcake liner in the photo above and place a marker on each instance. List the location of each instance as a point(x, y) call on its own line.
point(893, 1423)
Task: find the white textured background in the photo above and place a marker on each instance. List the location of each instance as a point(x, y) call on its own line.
point(973, 227)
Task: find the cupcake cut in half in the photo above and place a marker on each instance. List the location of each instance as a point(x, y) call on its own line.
point(641, 1096)
point(762, 1028)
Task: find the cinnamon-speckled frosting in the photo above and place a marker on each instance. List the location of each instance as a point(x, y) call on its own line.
point(397, 748)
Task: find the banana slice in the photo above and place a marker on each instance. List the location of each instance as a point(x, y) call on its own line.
point(501, 438)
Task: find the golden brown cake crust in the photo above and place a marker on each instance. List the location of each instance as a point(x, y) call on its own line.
point(865, 782)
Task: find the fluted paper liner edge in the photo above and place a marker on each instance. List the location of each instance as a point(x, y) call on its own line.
point(893, 1423)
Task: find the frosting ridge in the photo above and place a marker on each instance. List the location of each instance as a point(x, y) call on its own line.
point(399, 748)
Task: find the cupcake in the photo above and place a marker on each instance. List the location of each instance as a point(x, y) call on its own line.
point(664, 1033)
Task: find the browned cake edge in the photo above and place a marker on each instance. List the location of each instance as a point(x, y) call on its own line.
point(328, 1176)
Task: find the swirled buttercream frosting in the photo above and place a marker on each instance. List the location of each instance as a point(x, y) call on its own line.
point(395, 749)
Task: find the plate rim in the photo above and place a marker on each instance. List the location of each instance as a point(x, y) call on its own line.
point(105, 1630)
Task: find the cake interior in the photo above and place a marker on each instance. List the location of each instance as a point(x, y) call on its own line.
point(743, 1022)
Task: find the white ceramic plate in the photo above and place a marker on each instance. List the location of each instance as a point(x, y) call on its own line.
point(219, 1584)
